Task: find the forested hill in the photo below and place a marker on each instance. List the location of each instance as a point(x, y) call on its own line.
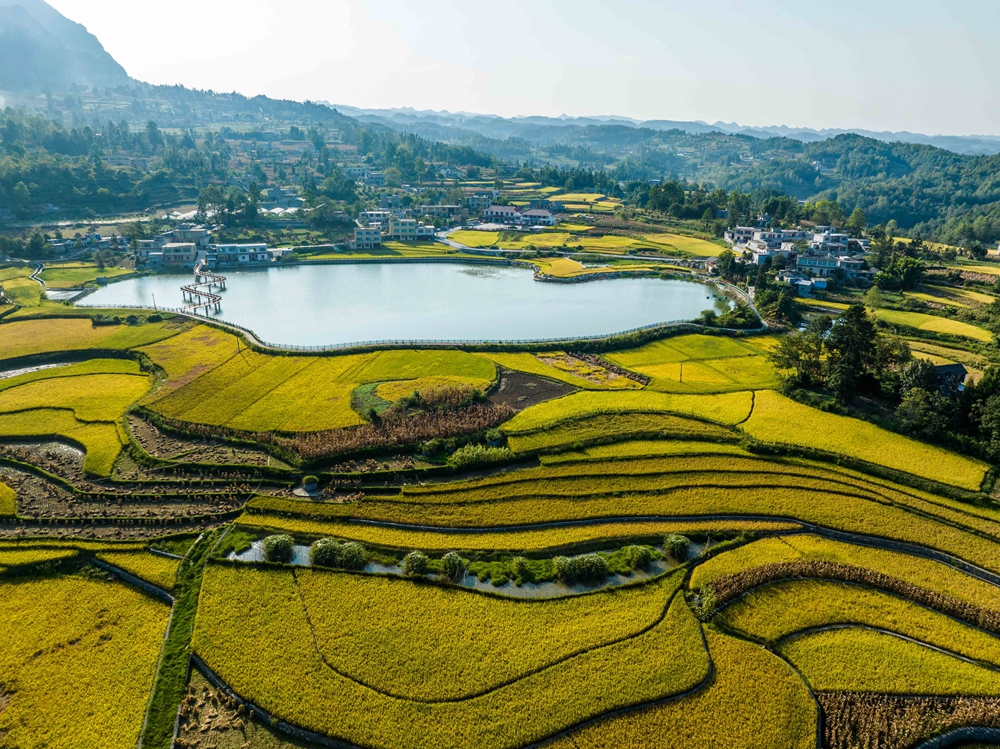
point(936, 192)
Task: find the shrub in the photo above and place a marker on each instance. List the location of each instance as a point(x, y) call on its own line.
point(472, 456)
point(415, 563)
point(278, 549)
point(676, 545)
point(520, 569)
point(326, 553)
point(309, 483)
point(639, 557)
point(353, 556)
point(452, 565)
point(586, 568)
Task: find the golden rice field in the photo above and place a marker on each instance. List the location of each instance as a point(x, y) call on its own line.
point(725, 409)
point(78, 662)
point(8, 500)
point(525, 541)
point(776, 418)
point(754, 699)
point(28, 337)
point(160, 571)
point(857, 561)
point(252, 629)
point(860, 660)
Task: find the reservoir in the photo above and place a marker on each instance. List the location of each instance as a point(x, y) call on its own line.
point(335, 305)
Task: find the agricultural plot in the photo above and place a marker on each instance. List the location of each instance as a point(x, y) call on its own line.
point(934, 324)
point(726, 409)
point(8, 501)
point(687, 245)
point(605, 428)
point(29, 337)
point(861, 660)
point(632, 449)
point(259, 392)
point(777, 611)
point(74, 275)
point(700, 364)
point(78, 662)
point(102, 441)
point(531, 364)
point(918, 571)
point(754, 699)
point(253, 631)
point(19, 287)
point(526, 541)
point(475, 239)
point(776, 418)
point(91, 397)
point(160, 571)
point(434, 643)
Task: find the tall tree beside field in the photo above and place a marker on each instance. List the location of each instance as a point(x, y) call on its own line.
point(851, 352)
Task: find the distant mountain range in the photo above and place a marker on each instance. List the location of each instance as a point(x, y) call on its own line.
point(41, 49)
point(533, 128)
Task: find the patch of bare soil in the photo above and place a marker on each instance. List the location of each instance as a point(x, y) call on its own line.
point(396, 463)
point(56, 458)
point(159, 444)
point(84, 530)
point(520, 390)
point(211, 720)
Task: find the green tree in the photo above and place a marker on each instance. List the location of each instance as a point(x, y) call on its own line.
point(858, 222)
point(850, 349)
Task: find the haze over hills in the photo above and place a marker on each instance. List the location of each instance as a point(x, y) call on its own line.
point(40, 49)
point(547, 129)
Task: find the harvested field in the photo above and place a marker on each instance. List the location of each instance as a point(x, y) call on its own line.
point(520, 390)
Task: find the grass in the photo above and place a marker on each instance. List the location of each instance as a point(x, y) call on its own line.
point(78, 662)
point(753, 700)
point(775, 611)
point(918, 571)
point(101, 441)
point(31, 556)
point(19, 287)
point(8, 501)
point(727, 409)
point(434, 643)
point(527, 541)
point(253, 631)
point(73, 275)
point(160, 571)
point(859, 660)
point(606, 427)
point(30, 337)
point(776, 418)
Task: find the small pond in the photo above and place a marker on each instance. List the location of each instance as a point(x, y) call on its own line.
point(331, 305)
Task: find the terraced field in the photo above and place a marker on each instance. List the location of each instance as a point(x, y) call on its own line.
point(653, 548)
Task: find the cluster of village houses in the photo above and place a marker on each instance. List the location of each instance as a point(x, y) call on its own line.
point(810, 256)
point(393, 222)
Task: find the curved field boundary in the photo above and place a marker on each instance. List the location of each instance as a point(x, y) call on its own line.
point(509, 682)
point(846, 574)
point(881, 630)
point(960, 736)
point(136, 582)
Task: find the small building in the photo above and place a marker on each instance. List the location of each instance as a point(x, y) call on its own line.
point(952, 378)
point(403, 229)
point(179, 253)
point(447, 212)
point(538, 217)
point(238, 254)
point(367, 237)
point(382, 218)
point(502, 214)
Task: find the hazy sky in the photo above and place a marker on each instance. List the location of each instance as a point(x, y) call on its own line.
point(922, 65)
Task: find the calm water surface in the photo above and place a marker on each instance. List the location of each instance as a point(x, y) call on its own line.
point(325, 305)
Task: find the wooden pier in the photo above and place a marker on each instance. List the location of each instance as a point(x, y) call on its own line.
point(201, 293)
